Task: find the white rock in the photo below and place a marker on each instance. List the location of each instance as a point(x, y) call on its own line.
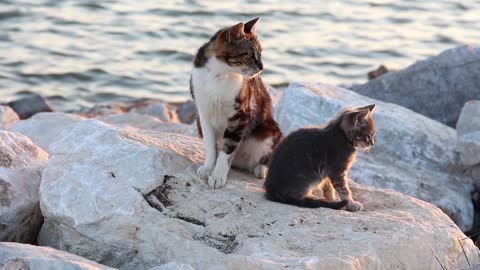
point(147, 122)
point(173, 266)
point(7, 116)
point(21, 165)
point(468, 128)
point(14, 256)
point(131, 200)
point(412, 154)
point(47, 127)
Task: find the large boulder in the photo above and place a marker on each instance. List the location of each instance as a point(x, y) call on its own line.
point(131, 200)
point(7, 116)
point(14, 256)
point(468, 128)
point(413, 154)
point(46, 128)
point(436, 87)
point(21, 165)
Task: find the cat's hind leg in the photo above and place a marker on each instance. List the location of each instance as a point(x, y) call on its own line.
point(253, 155)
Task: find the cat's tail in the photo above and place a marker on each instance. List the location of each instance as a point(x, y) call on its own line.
point(308, 202)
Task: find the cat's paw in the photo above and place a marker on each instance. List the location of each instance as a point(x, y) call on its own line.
point(204, 171)
point(260, 171)
point(354, 206)
point(215, 181)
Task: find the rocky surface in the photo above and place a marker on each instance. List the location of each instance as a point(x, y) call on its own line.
point(436, 87)
point(14, 256)
point(7, 116)
point(413, 154)
point(45, 128)
point(21, 165)
point(28, 106)
point(173, 266)
point(468, 128)
point(130, 199)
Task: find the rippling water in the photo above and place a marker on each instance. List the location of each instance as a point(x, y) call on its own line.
point(80, 52)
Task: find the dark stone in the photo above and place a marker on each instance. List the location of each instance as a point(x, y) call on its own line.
point(28, 106)
point(187, 112)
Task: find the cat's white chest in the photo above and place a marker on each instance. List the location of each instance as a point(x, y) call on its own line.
point(215, 94)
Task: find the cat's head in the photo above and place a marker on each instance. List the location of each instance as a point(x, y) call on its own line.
point(358, 125)
point(239, 48)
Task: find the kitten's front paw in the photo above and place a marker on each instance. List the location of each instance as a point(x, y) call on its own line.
point(204, 171)
point(354, 206)
point(260, 171)
point(216, 181)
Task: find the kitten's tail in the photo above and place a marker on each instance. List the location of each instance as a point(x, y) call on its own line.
point(309, 202)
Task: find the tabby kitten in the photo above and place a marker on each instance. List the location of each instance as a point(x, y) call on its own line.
point(235, 111)
point(318, 159)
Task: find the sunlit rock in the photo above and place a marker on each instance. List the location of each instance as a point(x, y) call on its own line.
point(131, 200)
point(412, 154)
point(21, 165)
point(7, 116)
point(15, 256)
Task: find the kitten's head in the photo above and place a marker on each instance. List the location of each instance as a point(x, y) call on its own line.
point(358, 125)
point(239, 48)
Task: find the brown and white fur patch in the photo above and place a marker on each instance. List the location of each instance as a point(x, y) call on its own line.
point(234, 107)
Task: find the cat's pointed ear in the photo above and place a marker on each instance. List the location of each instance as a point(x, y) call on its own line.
point(235, 32)
point(251, 26)
point(370, 107)
point(360, 115)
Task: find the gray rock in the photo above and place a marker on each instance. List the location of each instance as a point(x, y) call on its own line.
point(160, 110)
point(187, 112)
point(28, 106)
point(21, 166)
point(468, 129)
point(173, 266)
point(14, 256)
point(132, 200)
point(413, 154)
point(436, 87)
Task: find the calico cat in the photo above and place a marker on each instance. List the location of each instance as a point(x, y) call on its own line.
point(234, 108)
point(313, 159)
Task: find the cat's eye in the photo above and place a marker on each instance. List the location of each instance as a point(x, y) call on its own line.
point(239, 55)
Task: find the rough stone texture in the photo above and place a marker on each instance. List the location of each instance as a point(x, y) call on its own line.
point(187, 112)
point(436, 87)
point(28, 106)
point(468, 129)
point(21, 165)
point(14, 256)
point(412, 154)
point(131, 200)
point(45, 128)
point(173, 266)
point(160, 110)
point(147, 122)
point(7, 116)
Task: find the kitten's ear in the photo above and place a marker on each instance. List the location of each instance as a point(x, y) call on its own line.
point(251, 26)
point(235, 32)
point(369, 107)
point(360, 115)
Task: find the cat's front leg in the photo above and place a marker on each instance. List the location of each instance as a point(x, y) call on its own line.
point(209, 140)
point(340, 183)
point(231, 139)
